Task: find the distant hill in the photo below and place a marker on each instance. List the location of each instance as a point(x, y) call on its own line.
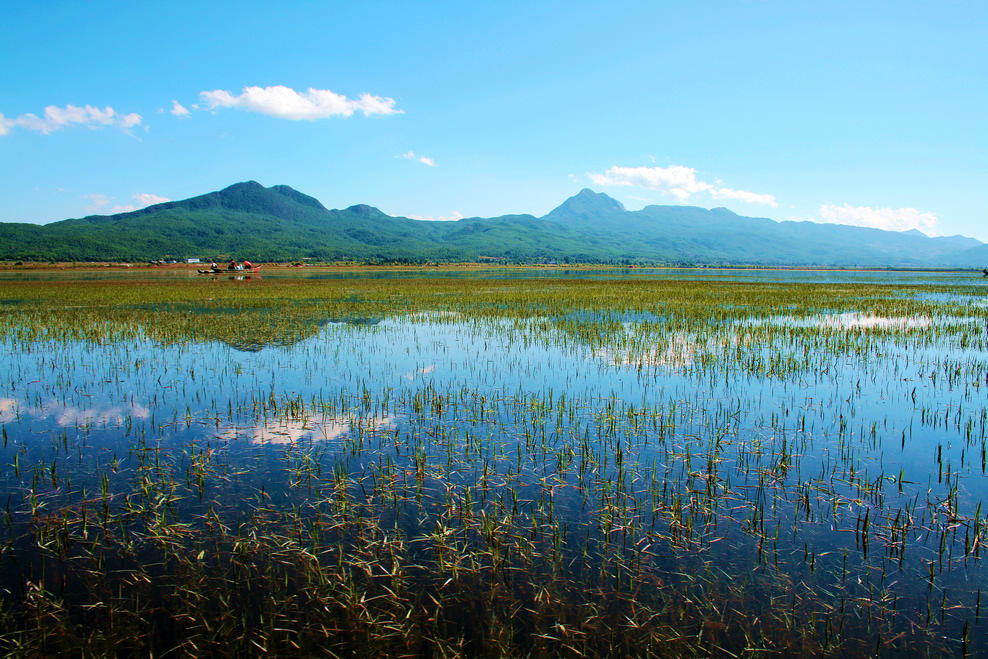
point(976, 257)
point(698, 235)
point(248, 220)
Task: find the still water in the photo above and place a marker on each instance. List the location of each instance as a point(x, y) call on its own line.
point(805, 482)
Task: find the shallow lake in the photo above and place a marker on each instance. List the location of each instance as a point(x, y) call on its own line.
point(592, 462)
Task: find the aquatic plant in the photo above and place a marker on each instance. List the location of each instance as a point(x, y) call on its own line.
point(492, 467)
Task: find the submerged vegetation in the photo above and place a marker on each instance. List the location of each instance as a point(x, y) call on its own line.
point(493, 467)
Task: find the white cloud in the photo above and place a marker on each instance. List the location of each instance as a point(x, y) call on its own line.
point(457, 215)
point(410, 155)
point(56, 118)
point(179, 110)
point(889, 219)
point(680, 182)
point(147, 199)
point(286, 103)
point(130, 120)
point(745, 196)
point(97, 201)
point(101, 203)
point(677, 181)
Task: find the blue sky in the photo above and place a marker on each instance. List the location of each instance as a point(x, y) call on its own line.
point(859, 113)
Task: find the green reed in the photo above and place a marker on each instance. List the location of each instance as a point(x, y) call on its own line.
point(731, 508)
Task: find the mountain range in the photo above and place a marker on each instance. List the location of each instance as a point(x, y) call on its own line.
point(248, 220)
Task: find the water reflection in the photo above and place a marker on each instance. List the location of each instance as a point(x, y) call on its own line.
point(67, 415)
point(727, 464)
point(8, 410)
point(419, 372)
point(64, 415)
point(856, 320)
point(678, 352)
point(321, 429)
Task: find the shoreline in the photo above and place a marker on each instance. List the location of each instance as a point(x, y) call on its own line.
point(463, 266)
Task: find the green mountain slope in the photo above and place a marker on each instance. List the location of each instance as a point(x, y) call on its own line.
point(719, 236)
point(280, 223)
point(976, 257)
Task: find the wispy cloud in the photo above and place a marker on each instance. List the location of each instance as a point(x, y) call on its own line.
point(757, 198)
point(55, 118)
point(457, 215)
point(410, 155)
point(889, 219)
point(101, 203)
point(179, 110)
point(677, 181)
point(286, 103)
point(147, 198)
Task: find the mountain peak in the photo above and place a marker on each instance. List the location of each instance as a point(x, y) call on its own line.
point(243, 186)
point(585, 205)
point(295, 195)
point(278, 222)
point(365, 210)
point(597, 199)
point(251, 195)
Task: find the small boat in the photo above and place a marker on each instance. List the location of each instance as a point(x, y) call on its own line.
point(985, 271)
point(227, 271)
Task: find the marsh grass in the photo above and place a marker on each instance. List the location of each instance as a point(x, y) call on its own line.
point(440, 467)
